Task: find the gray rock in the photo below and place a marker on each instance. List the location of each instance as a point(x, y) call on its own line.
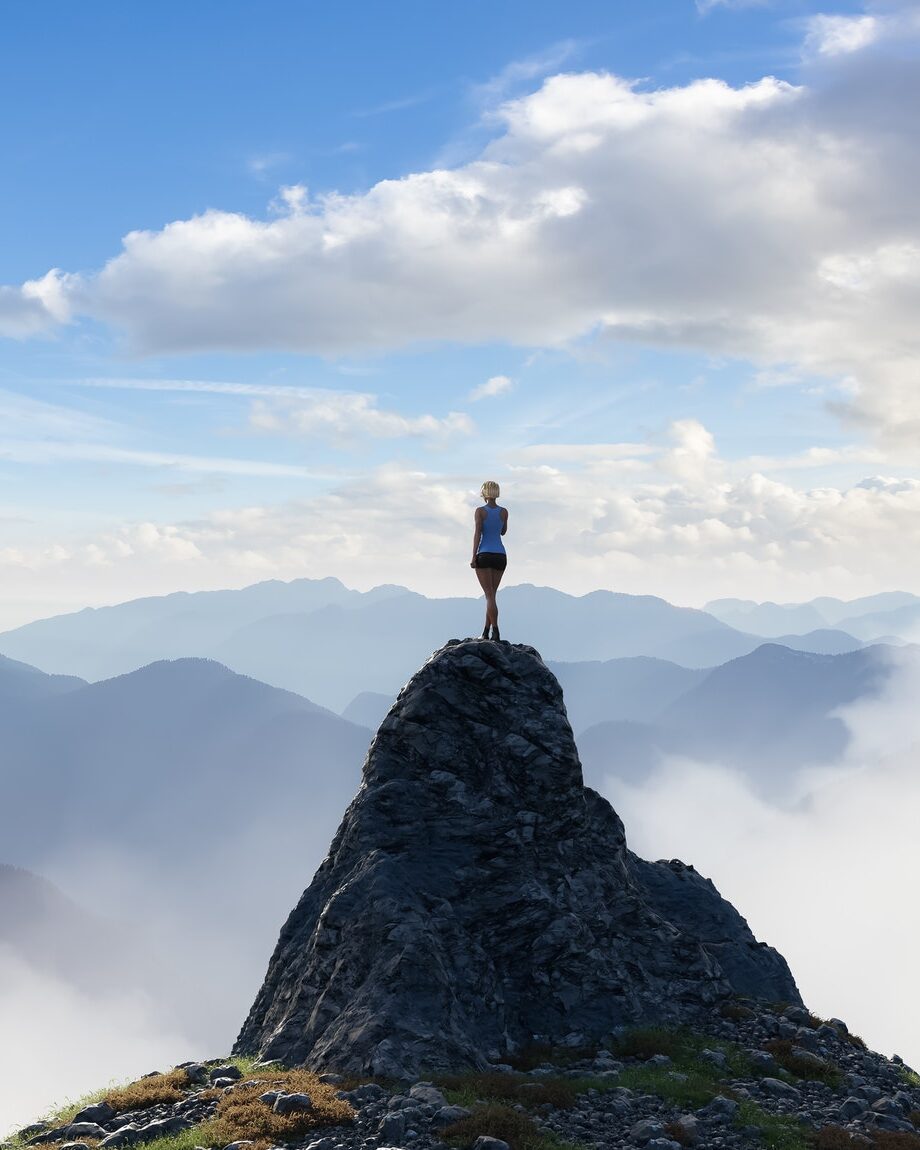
point(716, 1057)
point(762, 1060)
point(269, 1096)
point(448, 1114)
point(779, 1089)
point(662, 1144)
point(126, 1135)
point(850, 1108)
point(32, 1129)
point(658, 1060)
point(84, 1130)
point(238, 1145)
point(808, 1059)
point(74, 1146)
point(292, 1104)
point(100, 1112)
point(645, 1130)
point(888, 1122)
point(197, 1074)
point(427, 1094)
point(443, 955)
point(226, 1071)
point(691, 1128)
point(720, 1110)
point(888, 1105)
point(392, 1126)
point(163, 1127)
point(223, 1083)
point(484, 1142)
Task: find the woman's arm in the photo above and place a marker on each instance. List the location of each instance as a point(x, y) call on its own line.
point(477, 534)
point(504, 520)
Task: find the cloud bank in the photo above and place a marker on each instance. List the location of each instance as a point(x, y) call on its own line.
point(825, 880)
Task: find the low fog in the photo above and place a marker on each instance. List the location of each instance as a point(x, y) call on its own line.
point(826, 878)
point(60, 1042)
point(821, 874)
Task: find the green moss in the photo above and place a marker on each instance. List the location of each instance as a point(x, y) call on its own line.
point(911, 1077)
point(778, 1132)
point(692, 1089)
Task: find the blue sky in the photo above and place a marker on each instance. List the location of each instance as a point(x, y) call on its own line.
point(239, 397)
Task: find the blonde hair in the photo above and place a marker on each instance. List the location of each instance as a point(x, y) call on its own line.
point(490, 489)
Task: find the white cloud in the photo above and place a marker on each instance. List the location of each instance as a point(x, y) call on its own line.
point(493, 386)
point(772, 222)
point(348, 416)
point(825, 880)
point(669, 518)
point(840, 35)
point(37, 307)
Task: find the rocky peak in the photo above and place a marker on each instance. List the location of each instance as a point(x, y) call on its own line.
point(478, 896)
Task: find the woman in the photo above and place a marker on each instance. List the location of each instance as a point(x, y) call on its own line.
point(489, 557)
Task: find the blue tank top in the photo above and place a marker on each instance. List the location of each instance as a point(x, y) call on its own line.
point(491, 540)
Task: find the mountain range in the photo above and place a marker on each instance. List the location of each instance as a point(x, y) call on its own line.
point(329, 643)
point(891, 615)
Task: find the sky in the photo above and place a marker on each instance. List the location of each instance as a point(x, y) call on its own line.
point(282, 284)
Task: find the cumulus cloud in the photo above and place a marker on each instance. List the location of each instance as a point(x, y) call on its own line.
point(823, 879)
point(839, 35)
point(770, 221)
point(347, 416)
point(668, 517)
point(493, 386)
point(37, 306)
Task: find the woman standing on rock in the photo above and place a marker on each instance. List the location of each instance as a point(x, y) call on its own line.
point(489, 556)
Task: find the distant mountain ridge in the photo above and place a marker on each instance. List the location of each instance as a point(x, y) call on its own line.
point(329, 643)
point(888, 615)
point(767, 714)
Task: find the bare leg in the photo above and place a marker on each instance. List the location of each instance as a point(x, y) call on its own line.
point(484, 574)
point(496, 579)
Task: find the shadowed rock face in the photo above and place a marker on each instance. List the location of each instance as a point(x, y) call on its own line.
point(478, 895)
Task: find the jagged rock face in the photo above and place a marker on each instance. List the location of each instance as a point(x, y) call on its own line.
point(478, 895)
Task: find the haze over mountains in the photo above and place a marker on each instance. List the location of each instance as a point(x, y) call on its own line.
point(144, 792)
point(373, 641)
point(890, 615)
point(180, 801)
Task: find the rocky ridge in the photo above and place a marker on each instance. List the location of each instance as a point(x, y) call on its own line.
point(725, 1087)
point(478, 897)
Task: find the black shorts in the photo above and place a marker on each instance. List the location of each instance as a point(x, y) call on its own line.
point(497, 560)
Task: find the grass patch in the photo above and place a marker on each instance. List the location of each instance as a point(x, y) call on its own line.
point(736, 1011)
point(473, 1089)
point(894, 1140)
point(152, 1091)
point(831, 1138)
point(784, 1052)
point(537, 1053)
point(498, 1121)
point(911, 1077)
point(242, 1115)
point(646, 1041)
point(694, 1090)
point(778, 1132)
